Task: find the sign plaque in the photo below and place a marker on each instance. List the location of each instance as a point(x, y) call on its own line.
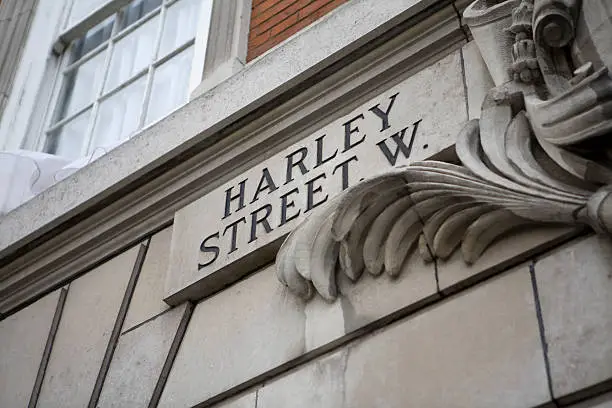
point(238, 226)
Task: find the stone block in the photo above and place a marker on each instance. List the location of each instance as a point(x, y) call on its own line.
point(138, 361)
point(87, 322)
point(263, 326)
point(368, 300)
point(147, 299)
point(508, 251)
point(480, 348)
point(234, 336)
point(23, 336)
point(319, 384)
point(575, 291)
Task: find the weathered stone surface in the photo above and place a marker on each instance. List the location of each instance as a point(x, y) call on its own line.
point(89, 315)
point(354, 146)
point(234, 336)
point(366, 301)
point(479, 349)
point(22, 342)
point(245, 401)
point(263, 326)
point(147, 299)
point(376, 297)
point(138, 361)
point(477, 78)
point(324, 322)
point(319, 384)
point(604, 401)
point(515, 248)
point(575, 288)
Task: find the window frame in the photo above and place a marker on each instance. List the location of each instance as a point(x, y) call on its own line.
point(50, 124)
point(219, 52)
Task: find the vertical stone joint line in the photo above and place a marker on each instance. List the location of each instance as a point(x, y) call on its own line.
point(176, 343)
point(463, 29)
point(465, 86)
point(44, 362)
point(114, 338)
point(538, 310)
point(437, 276)
point(429, 249)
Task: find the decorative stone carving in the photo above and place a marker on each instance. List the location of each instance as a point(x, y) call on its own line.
point(539, 154)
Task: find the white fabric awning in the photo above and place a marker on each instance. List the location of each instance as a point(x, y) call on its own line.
point(24, 173)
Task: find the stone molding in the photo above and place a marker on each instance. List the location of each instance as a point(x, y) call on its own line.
point(66, 230)
point(224, 50)
point(536, 156)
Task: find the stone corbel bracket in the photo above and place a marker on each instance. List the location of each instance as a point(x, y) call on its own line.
point(437, 207)
point(517, 169)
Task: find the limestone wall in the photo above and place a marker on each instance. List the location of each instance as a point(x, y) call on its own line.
point(527, 325)
point(534, 332)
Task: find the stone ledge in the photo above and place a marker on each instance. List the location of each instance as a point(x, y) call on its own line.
point(604, 401)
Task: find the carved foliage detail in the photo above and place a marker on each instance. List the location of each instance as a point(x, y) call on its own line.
point(536, 156)
point(434, 208)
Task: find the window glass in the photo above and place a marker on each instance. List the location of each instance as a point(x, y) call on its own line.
point(68, 139)
point(83, 8)
point(180, 25)
point(92, 39)
point(80, 85)
point(119, 114)
point(129, 70)
point(136, 10)
point(170, 85)
point(132, 53)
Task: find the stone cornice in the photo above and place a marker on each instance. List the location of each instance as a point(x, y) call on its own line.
point(88, 217)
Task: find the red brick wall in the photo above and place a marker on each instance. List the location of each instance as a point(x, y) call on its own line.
point(273, 21)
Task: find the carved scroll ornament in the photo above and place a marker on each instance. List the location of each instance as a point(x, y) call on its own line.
point(540, 154)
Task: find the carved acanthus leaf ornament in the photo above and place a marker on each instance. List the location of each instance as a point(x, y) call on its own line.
point(540, 154)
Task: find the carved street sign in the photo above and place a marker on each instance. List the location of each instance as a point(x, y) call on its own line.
point(233, 226)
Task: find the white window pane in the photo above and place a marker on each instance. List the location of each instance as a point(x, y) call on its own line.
point(118, 115)
point(80, 85)
point(136, 10)
point(170, 86)
point(180, 24)
point(132, 53)
point(68, 140)
point(83, 8)
point(93, 38)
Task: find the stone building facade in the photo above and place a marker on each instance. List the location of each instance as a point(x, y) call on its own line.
point(343, 204)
